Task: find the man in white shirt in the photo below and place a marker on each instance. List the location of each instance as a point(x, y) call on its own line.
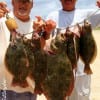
point(65, 17)
point(21, 14)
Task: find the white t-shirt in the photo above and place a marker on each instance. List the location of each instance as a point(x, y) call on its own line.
point(64, 19)
point(5, 76)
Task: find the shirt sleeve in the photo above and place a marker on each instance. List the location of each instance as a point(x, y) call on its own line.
point(94, 18)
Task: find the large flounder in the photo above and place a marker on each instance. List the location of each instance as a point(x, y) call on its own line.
point(58, 83)
point(72, 47)
point(40, 70)
point(19, 61)
point(88, 48)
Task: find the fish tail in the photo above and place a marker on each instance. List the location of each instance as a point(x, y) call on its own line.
point(74, 66)
point(15, 81)
point(18, 82)
point(24, 83)
point(87, 69)
point(38, 89)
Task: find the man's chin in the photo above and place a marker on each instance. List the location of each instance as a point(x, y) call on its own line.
point(22, 14)
point(68, 3)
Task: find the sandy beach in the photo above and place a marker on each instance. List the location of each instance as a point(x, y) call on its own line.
point(95, 86)
point(95, 81)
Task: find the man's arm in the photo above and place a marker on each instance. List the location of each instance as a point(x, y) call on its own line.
point(95, 20)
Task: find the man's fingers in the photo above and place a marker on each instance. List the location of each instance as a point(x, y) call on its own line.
point(6, 10)
point(3, 3)
point(3, 6)
point(38, 18)
point(51, 23)
point(2, 13)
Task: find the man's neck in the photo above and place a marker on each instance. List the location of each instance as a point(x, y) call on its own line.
point(68, 10)
point(24, 20)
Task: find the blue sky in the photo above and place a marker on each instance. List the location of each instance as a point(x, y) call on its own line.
point(44, 7)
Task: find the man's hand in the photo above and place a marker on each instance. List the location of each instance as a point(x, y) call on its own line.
point(38, 24)
point(98, 3)
point(50, 25)
point(46, 27)
point(3, 9)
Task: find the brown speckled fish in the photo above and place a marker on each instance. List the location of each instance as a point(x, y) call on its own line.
point(71, 48)
point(88, 49)
point(56, 85)
point(39, 72)
point(19, 62)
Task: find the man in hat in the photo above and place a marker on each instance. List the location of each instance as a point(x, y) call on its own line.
point(21, 14)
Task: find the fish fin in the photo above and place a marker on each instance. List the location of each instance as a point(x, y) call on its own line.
point(87, 69)
point(71, 86)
